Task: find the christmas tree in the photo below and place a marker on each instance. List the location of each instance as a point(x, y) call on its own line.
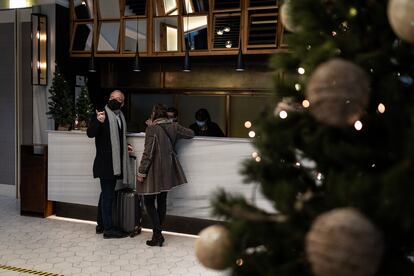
point(84, 106)
point(335, 154)
point(61, 101)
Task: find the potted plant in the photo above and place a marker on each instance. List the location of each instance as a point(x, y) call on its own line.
point(84, 108)
point(61, 102)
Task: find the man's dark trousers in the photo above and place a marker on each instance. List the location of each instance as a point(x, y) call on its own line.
point(106, 199)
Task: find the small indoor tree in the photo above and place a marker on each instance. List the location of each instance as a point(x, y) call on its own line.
point(84, 108)
point(61, 102)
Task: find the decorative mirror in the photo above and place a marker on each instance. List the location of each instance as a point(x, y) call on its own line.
point(226, 31)
point(222, 5)
point(131, 34)
point(165, 7)
point(108, 36)
point(165, 34)
point(82, 38)
point(108, 9)
point(135, 7)
point(83, 9)
point(195, 32)
point(195, 6)
point(262, 28)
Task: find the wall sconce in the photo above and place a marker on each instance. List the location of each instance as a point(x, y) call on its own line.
point(39, 49)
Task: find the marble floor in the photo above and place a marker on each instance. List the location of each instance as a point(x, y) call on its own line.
point(72, 248)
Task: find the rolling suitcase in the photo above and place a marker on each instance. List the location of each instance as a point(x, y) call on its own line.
point(126, 212)
point(127, 205)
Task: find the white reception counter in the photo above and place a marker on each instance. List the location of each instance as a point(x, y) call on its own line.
point(209, 164)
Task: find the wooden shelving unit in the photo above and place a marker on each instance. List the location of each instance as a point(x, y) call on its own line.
point(163, 24)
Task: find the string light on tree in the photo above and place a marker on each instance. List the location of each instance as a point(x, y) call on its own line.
point(298, 87)
point(305, 103)
point(247, 124)
point(283, 114)
point(358, 125)
point(254, 154)
point(353, 12)
point(252, 134)
point(258, 159)
point(381, 108)
point(301, 70)
point(319, 179)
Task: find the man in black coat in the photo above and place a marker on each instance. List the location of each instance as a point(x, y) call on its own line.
point(108, 127)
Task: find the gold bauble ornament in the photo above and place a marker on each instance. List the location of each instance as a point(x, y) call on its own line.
point(343, 242)
point(338, 92)
point(401, 17)
point(213, 246)
point(285, 12)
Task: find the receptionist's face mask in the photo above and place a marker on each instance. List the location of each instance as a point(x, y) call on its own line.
point(201, 123)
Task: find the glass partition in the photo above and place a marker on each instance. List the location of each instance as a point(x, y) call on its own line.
point(141, 108)
point(108, 36)
point(131, 35)
point(83, 35)
point(241, 111)
point(189, 104)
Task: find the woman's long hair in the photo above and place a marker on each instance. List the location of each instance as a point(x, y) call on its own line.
point(159, 111)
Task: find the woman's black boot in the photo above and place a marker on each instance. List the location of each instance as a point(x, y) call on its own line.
point(156, 241)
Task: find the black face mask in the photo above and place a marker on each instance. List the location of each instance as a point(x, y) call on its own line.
point(114, 104)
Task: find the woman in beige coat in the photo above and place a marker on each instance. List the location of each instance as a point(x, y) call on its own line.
point(160, 170)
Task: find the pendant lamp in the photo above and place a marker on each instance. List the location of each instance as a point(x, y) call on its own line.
point(137, 64)
point(91, 67)
point(240, 63)
point(187, 65)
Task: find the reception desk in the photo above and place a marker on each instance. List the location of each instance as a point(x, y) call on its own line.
point(209, 164)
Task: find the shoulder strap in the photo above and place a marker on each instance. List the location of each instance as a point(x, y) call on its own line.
point(169, 137)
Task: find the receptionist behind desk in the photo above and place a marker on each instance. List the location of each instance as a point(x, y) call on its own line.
point(203, 125)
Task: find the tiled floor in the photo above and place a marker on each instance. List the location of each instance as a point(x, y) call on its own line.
point(73, 248)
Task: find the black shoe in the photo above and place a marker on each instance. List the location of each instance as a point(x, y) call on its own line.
point(136, 231)
point(156, 241)
point(99, 229)
point(113, 234)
